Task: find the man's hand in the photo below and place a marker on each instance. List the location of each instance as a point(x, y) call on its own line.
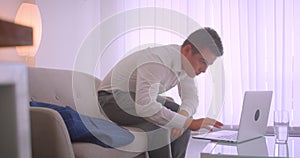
point(176, 133)
point(208, 123)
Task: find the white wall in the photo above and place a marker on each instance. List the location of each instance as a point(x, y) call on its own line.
point(65, 25)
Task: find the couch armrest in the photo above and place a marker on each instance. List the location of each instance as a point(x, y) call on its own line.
point(49, 134)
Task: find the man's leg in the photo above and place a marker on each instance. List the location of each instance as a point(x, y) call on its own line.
point(115, 109)
point(158, 138)
point(179, 145)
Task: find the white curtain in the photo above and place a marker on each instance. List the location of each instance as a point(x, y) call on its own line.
point(260, 39)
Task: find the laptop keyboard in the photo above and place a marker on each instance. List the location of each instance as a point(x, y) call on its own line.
point(232, 136)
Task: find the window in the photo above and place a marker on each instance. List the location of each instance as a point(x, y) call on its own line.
point(260, 40)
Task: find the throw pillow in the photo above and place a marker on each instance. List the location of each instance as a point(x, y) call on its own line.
point(83, 128)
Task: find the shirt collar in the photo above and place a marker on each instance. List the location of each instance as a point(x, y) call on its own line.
point(177, 58)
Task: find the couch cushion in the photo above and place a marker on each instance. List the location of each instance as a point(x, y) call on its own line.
point(65, 87)
point(83, 128)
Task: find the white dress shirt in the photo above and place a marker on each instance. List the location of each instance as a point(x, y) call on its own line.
point(151, 72)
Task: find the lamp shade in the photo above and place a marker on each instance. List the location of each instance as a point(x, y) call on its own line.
point(29, 15)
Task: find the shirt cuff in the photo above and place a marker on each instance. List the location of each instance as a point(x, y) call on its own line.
point(178, 121)
point(187, 109)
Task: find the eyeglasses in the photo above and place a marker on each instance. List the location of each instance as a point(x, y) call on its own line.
point(202, 59)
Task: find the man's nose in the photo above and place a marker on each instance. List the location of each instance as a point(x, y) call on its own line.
point(203, 70)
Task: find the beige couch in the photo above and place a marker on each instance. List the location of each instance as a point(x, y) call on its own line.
point(50, 137)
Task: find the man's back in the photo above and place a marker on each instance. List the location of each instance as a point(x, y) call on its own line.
point(123, 75)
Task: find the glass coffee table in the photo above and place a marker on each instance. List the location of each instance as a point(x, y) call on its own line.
point(260, 147)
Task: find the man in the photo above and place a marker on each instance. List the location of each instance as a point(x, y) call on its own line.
point(131, 93)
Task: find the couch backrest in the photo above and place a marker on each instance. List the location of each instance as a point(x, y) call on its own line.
point(65, 87)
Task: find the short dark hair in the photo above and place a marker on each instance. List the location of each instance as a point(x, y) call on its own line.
point(205, 38)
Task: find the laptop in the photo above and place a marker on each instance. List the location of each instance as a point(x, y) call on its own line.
point(253, 148)
point(253, 120)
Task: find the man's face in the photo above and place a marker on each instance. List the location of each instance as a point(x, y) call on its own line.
point(197, 62)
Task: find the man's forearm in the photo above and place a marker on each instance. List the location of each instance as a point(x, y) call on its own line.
point(184, 113)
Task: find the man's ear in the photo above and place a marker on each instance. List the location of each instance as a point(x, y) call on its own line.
point(186, 49)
